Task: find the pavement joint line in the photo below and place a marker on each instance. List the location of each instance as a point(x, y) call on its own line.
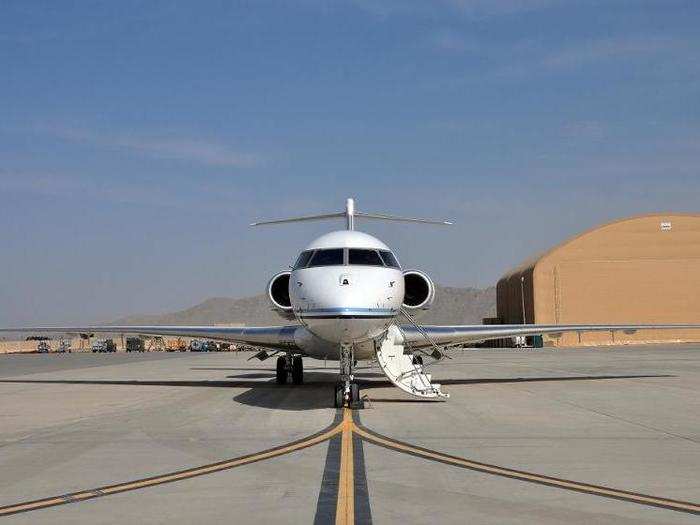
point(596, 490)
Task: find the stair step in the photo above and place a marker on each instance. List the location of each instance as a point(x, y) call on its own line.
point(402, 372)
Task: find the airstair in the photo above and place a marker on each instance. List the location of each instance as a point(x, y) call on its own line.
point(402, 370)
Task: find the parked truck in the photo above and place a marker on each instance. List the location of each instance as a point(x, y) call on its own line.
point(104, 345)
point(197, 346)
point(176, 345)
point(135, 344)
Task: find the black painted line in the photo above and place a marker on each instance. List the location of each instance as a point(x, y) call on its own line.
point(520, 475)
point(328, 494)
point(363, 511)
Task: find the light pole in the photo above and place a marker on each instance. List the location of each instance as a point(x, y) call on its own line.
point(522, 297)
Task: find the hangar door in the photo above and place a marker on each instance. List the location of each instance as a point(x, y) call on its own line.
point(628, 291)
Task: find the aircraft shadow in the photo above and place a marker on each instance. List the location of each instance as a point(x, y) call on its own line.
point(258, 369)
point(316, 392)
point(483, 381)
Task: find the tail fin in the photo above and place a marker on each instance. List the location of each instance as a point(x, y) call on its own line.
point(349, 214)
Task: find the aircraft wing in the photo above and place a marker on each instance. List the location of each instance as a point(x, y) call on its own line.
point(461, 334)
point(279, 337)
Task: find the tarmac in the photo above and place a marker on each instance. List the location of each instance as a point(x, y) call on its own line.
point(590, 435)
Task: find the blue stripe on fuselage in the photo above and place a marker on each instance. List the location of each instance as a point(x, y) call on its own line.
point(348, 313)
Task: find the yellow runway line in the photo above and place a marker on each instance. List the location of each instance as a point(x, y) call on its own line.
point(173, 476)
point(643, 499)
point(345, 508)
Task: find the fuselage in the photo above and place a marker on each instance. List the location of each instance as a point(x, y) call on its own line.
point(345, 288)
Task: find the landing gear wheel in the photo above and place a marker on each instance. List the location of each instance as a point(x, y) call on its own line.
point(418, 360)
point(297, 370)
point(339, 396)
point(281, 370)
point(355, 396)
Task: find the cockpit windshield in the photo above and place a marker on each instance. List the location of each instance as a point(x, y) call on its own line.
point(389, 259)
point(364, 257)
point(331, 257)
point(303, 259)
point(346, 256)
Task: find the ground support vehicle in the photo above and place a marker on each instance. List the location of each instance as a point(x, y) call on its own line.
point(135, 344)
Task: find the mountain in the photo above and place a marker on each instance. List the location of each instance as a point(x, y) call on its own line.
point(460, 306)
point(452, 306)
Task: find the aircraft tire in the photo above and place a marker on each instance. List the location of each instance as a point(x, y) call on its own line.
point(339, 397)
point(418, 360)
point(281, 370)
point(297, 370)
point(354, 395)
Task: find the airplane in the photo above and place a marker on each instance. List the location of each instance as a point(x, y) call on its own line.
point(346, 293)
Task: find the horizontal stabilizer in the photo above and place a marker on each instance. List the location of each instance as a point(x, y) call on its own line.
point(383, 217)
point(349, 215)
point(305, 218)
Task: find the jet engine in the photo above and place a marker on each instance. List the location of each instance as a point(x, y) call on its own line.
point(419, 291)
point(278, 294)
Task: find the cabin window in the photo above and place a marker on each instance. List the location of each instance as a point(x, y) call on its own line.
point(332, 257)
point(389, 259)
point(364, 257)
point(303, 259)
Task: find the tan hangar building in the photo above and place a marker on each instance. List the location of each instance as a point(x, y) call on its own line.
point(643, 269)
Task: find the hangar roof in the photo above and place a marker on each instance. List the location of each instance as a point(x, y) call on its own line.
point(610, 228)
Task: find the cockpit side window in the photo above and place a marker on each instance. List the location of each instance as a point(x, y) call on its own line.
point(331, 257)
point(303, 259)
point(389, 259)
point(364, 257)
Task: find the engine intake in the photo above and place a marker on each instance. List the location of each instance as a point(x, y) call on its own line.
point(278, 294)
point(419, 290)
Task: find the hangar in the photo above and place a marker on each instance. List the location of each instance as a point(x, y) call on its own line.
point(643, 269)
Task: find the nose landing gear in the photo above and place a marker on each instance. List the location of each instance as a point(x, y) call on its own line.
point(347, 392)
point(351, 399)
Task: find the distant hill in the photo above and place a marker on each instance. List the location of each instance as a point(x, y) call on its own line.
point(452, 306)
point(461, 306)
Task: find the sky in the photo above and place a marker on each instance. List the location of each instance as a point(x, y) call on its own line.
point(138, 139)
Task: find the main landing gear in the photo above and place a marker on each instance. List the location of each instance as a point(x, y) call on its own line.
point(289, 365)
point(346, 391)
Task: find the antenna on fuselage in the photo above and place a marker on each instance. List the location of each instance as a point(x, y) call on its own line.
point(349, 214)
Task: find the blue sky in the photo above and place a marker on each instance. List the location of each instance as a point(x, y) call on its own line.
point(138, 139)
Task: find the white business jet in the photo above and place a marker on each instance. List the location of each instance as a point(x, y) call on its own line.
point(347, 292)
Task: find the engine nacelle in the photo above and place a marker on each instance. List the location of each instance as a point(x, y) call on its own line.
point(278, 294)
point(419, 290)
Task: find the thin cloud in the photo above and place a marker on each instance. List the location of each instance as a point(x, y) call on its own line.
point(207, 152)
point(488, 8)
point(607, 49)
point(452, 41)
point(587, 53)
point(585, 129)
point(466, 8)
point(78, 187)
